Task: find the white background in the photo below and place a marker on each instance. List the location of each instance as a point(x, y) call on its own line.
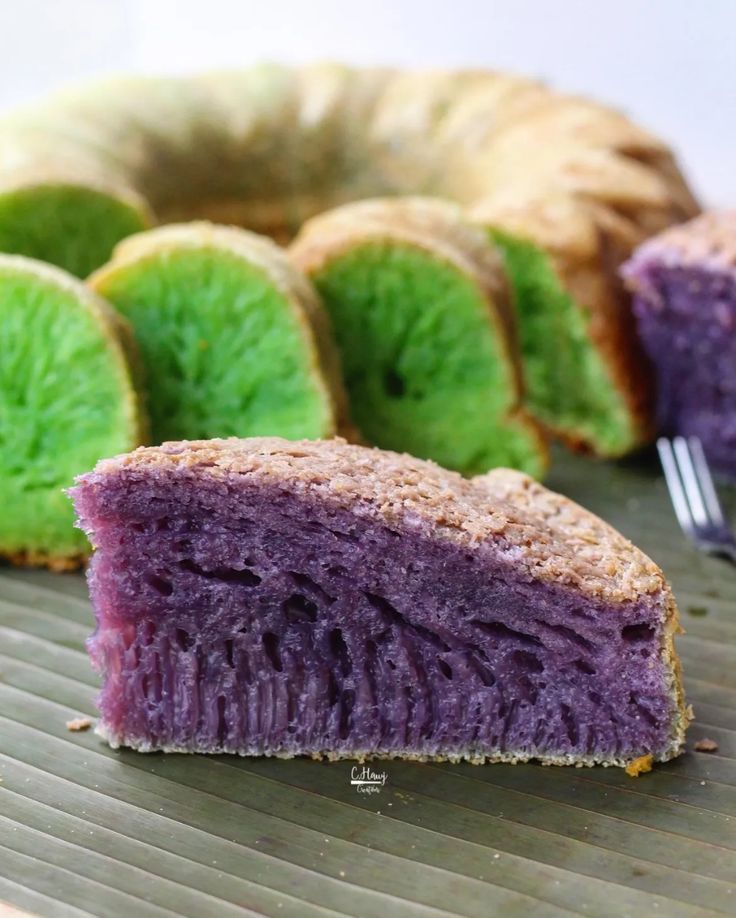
point(669, 63)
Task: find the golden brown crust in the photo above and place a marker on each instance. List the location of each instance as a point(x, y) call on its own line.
point(436, 227)
point(268, 257)
point(560, 541)
point(708, 242)
point(31, 558)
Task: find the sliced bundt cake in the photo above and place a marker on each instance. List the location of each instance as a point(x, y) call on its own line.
point(263, 597)
point(233, 338)
point(684, 285)
point(423, 319)
point(572, 380)
point(272, 146)
point(67, 397)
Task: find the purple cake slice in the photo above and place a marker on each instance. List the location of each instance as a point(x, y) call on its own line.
point(266, 597)
point(684, 285)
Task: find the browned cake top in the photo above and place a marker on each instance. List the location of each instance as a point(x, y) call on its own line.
point(548, 535)
point(708, 241)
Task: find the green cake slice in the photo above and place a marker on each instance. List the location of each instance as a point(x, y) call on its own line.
point(570, 387)
point(67, 398)
point(67, 224)
point(586, 375)
point(234, 340)
point(423, 320)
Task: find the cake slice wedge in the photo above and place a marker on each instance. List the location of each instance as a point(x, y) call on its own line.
point(233, 339)
point(684, 286)
point(265, 597)
point(424, 321)
point(69, 394)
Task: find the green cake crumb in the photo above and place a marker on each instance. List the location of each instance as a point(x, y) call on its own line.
point(227, 351)
point(87, 224)
point(569, 387)
point(425, 369)
point(66, 400)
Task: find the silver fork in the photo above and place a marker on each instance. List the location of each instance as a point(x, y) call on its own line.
point(694, 496)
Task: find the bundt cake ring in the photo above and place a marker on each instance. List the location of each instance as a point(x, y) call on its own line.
point(567, 187)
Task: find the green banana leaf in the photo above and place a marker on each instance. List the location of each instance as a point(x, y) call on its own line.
point(85, 830)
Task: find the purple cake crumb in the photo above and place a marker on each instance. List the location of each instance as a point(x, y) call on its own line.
point(263, 597)
point(684, 285)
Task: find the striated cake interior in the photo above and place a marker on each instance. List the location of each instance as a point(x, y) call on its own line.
point(242, 616)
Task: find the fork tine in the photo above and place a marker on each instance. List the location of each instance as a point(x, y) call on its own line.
point(690, 481)
point(707, 488)
point(674, 485)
